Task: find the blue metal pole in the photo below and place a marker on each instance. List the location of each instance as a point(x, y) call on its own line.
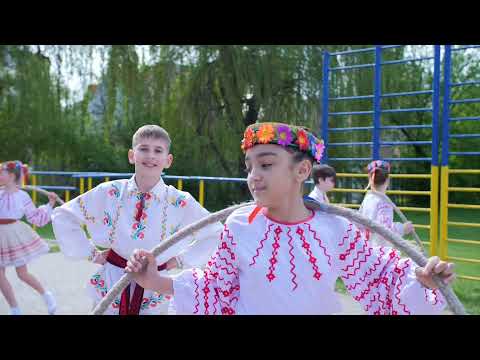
point(435, 105)
point(376, 103)
point(325, 89)
point(446, 105)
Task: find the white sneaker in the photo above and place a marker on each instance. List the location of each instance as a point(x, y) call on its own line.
point(50, 301)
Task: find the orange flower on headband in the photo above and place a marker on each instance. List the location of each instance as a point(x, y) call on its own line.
point(302, 140)
point(265, 133)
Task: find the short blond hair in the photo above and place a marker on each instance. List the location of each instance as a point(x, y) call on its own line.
point(151, 131)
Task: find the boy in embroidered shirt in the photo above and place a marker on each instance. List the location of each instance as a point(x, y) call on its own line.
point(142, 211)
point(324, 178)
point(280, 257)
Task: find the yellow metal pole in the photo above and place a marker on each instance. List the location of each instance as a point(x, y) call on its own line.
point(444, 212)
point(90, 185)
point(82, 185)
point(34, 193)
point(179, 184)
point(201, 195)
point(67, 195)
point(107, 178)
point(464, 171)
point(434, 211)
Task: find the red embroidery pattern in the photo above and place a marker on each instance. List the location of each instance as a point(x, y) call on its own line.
point(373, 289)
point(206, 290)
point(399, 283)
point(230, 237)
point(347, 235)
point(261, 244)
point(320, 243)
point(362, 251)
point(385, 214)
point(215, 302)
point(437, 300)
point(197, 294)
point(311, 258)
point(215, 285)
point(273, 260)
point(292, 258)
point(371, 270)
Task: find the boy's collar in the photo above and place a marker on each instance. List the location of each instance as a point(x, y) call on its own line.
point(157, 191)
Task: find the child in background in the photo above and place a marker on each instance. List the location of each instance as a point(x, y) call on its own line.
point(324, 178)
point(19, 243)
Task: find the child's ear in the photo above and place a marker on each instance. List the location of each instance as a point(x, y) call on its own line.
point(169, 161)
point(131, 157)
point(304, 170)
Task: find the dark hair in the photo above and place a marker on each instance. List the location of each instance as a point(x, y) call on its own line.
point(323, 172)
point(379, 176)
point(298, 156)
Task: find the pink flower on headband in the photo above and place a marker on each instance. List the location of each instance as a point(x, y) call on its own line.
point(319, 151)
point(378, 164)
point(284, 136)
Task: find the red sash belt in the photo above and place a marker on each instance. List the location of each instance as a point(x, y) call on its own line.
point(127, 308)
point(7, 221)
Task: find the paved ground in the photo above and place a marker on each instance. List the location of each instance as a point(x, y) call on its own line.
point(67, 280)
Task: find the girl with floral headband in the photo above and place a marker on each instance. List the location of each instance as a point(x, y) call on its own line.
point(280, 257)
point(378, 209)
point(19, 243)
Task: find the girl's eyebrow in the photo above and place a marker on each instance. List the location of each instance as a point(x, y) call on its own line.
point(262, 155)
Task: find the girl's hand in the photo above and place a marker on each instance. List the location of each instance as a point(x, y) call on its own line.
point(407, 227)
point(438, 267)
point(52, 198)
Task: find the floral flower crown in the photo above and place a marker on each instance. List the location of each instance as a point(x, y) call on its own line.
point(375, 164)
point(11, 165)
point(285, 135)
point(16, 165)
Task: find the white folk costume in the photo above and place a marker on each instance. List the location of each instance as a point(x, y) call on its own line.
point(269, 267)
point(121, 218)
point(263, 266)
point(319, 195)
point(379, 210)
point(19, 243)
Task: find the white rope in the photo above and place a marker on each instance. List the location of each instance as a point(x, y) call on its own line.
point(352, 216)
point(172, 240)
point(402, 217)
point(41, 191)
